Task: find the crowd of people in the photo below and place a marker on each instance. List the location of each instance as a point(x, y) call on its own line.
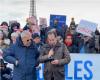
point(26, 48)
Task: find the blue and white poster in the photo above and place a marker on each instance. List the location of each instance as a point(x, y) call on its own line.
point(83, 67)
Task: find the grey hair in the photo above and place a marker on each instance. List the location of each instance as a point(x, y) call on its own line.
point(14, 34)
point(52, 31)
point(25, 33)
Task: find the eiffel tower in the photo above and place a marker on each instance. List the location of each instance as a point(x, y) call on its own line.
point(32, 8)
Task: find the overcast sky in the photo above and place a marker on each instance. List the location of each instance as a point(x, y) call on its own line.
point(80, 9)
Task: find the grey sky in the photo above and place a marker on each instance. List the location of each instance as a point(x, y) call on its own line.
point(14, 10)
point(80, 9)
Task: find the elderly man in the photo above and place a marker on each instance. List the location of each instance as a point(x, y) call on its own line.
point(54, 55)
point(23, 54)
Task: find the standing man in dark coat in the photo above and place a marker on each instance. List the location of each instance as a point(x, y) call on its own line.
point(54, 55)
point(23, 54)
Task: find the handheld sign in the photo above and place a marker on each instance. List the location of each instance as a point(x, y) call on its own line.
point(86, 27)
point(42, 21)
point(61, 19)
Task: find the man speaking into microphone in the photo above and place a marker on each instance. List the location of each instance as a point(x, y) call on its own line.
point(54, 55)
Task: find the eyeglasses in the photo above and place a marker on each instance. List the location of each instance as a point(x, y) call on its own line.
point(33, 24)
point(29, 40)
point(68, 38)
point(26, 39)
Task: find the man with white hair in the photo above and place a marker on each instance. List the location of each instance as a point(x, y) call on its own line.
point(23, 54)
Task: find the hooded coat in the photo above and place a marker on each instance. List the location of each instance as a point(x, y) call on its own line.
point(27, 58)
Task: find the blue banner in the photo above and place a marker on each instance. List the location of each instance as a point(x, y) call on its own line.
point(61, 19)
